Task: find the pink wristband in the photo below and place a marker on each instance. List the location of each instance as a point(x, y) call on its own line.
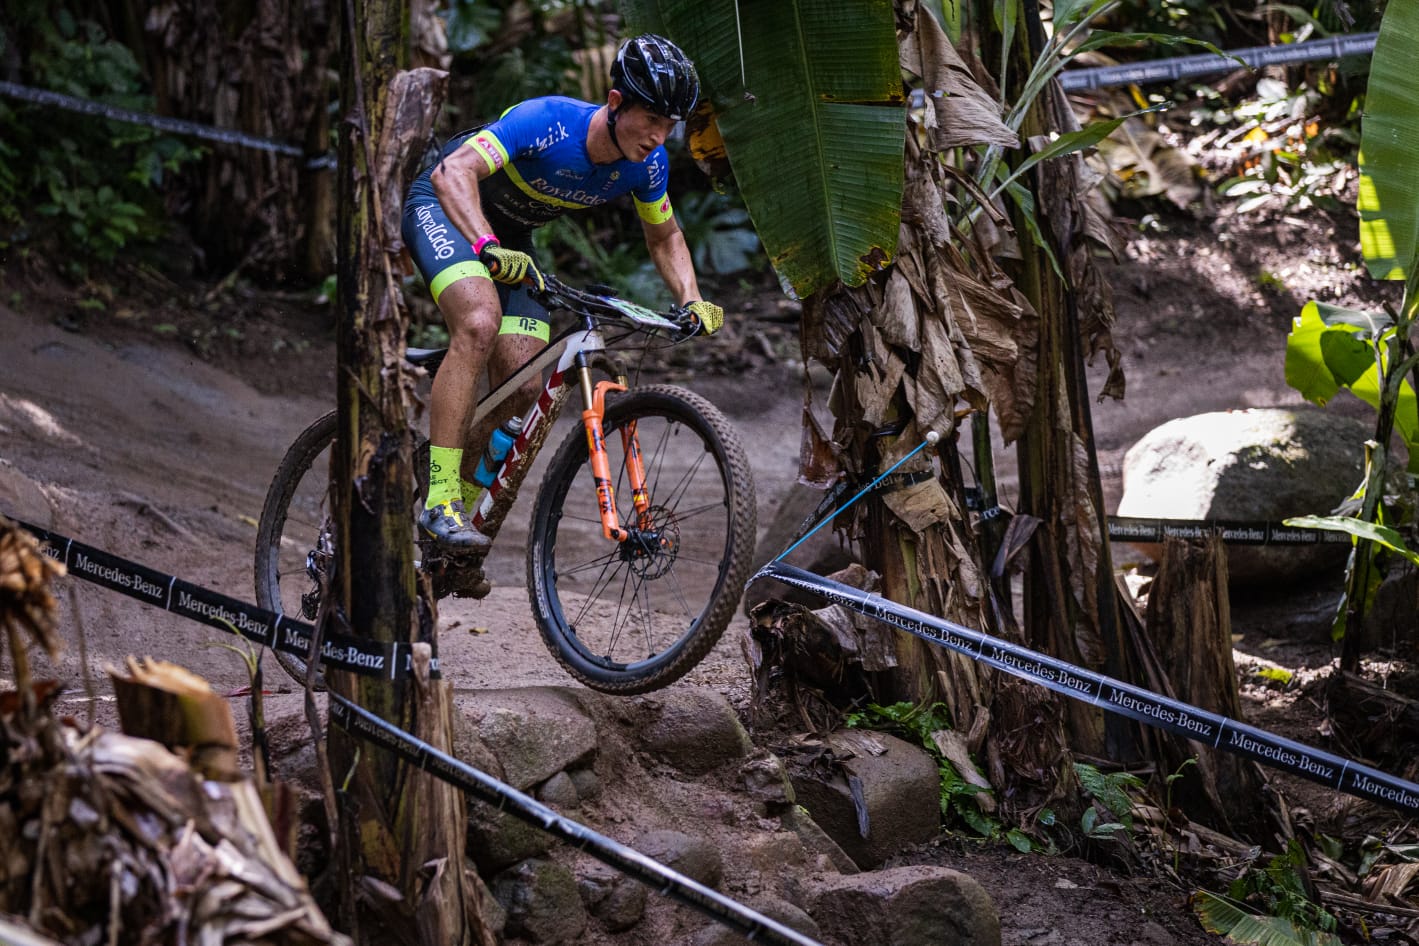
point(483, 241)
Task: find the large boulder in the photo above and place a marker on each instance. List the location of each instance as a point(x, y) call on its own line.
point(532, 732)
point(906, 906)
point(694, 730)
point(542, 901)
point(1259, 465)
point(872, 793)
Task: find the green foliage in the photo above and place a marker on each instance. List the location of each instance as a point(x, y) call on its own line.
point(958, 796)
point(506, 51)
point(1279, 890)
point(576, 244)
point(810, 109)
point(92, 183)
point(1111, 791)
point(720, 235)
point(1331, 347)
point(1300, 163)
point(1389, 185)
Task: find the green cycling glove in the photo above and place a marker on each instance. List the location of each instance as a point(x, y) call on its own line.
point(710, 316)
point(512, 267)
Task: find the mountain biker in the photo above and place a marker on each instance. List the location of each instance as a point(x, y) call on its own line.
point(468, 222)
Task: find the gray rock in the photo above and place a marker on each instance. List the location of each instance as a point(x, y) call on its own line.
point(694, 857)
point(1249, 465)
point(542, 902)
point(694, 730)
point(533, 732)
point(766, 780)
point(897, 783)
point(780, 911)
point(906, 906)
point(617, 901)
point(559, 791)
point(497, 840)
point(816, 841)
point(588, 785)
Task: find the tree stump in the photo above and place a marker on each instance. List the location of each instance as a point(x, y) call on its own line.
point(1189, 626)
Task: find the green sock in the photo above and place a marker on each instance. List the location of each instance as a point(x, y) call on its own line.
point(471, 492)
point(443, 476)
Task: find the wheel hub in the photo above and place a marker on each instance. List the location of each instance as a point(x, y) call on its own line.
point(652, 552)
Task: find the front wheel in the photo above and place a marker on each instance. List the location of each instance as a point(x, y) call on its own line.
point(632, 616)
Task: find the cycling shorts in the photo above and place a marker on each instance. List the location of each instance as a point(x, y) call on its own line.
point(443, 258)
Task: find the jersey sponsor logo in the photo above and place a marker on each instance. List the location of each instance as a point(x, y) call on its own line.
point(436, 233)
point(575, 195)
point(656, 169)
point(490, 150)
point(555, 133)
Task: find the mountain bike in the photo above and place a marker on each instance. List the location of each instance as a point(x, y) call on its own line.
point(643, 526)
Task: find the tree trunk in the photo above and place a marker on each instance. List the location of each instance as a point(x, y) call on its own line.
point(406, 830)
point(258, 67)
point(1190, 629)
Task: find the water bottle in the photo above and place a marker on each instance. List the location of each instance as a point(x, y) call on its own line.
point(498, 445)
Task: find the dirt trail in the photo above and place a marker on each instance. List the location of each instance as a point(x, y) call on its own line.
point(135, 445)
point(146, 451)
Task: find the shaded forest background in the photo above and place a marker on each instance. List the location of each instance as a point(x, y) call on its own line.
point(78, 192)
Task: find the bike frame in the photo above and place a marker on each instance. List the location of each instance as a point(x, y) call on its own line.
point(570, 353)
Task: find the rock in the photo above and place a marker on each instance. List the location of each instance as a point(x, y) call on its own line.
point(588, 786)
point(542, 902)
point(614, 899)
point(780, 911)
point(694, 857)
point(766, 780)
point(899, 785)
point(497, 840)
point(769, 854)
point(559, 791)
point(828, 853)
point(906, 906)
point(694, 730)
point(534, 732)
point(1265, 464)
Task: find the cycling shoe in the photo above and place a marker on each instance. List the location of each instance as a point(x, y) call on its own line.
point(450, 528)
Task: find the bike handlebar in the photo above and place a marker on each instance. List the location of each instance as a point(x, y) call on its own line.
point(606, 304)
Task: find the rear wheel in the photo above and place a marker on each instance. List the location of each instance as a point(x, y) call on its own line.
point(636, 615)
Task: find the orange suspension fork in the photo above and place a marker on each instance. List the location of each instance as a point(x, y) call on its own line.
point(592, 419)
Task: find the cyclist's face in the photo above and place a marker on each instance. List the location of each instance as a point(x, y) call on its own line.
point(640, 131)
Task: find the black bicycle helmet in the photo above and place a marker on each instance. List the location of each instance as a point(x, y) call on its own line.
point(653, 71)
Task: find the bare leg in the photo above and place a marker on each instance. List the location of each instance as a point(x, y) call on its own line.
point(509, 352)
point(471, 310)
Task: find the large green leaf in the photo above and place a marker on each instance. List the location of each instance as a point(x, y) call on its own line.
point(1225, 916)
point(808, 97)
point(1389, 140)
point(1331, 347)
point(1384, 535)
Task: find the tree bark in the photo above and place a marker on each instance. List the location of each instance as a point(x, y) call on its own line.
point(1190, 629)
point(407, 831)
point(259, 67)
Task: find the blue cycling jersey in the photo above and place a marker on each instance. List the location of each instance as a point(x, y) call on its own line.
point(537, 153)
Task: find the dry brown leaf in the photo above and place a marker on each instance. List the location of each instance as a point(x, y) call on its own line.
point(963, 114)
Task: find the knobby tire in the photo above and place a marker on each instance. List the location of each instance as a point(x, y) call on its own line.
point(626, 623)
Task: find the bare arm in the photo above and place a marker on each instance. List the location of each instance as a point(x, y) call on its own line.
point(455, 180)
point(671, 255)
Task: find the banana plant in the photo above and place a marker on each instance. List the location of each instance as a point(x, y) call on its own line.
point(807, 97)
point(1373, 355)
